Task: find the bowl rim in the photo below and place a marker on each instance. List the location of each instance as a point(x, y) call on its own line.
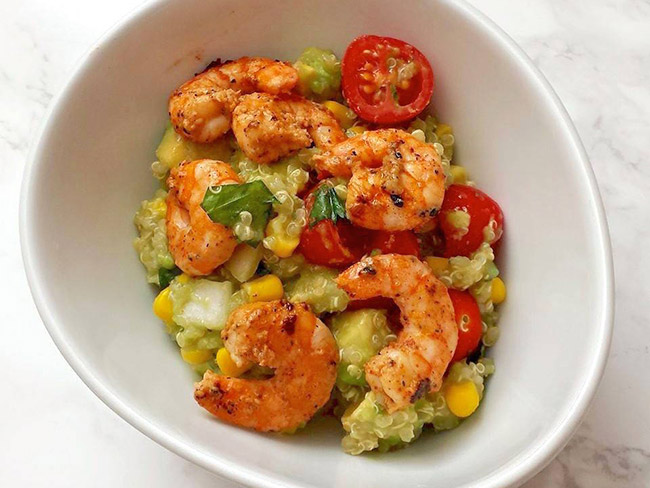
point(508, 475)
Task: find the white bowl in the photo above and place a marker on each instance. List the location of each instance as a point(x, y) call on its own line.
point(90, 170)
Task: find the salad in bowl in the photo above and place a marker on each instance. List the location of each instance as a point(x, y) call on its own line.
point(316, 249)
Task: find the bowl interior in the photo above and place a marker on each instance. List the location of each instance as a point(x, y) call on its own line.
point(91, 170)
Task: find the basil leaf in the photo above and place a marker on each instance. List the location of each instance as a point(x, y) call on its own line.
point(327, 205)
point(225, 203)
point(165, 276)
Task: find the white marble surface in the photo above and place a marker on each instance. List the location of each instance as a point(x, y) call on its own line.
point(596, 53)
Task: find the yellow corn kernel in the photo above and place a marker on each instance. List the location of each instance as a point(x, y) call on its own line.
point(228, 366)
point(278, 240)
point(462, 398)
point(498, 291)
point(437, 264)
point(183, 278)
point(459, 174)
point(162, 306)
point(264, 289)
point(356, 130)
point(196, 356)
point(283, 246)
point(343, 114)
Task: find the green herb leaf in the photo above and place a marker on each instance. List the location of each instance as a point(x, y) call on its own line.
point(394, 94)
point(225, 203)
point(327, 205)
point(165, 276)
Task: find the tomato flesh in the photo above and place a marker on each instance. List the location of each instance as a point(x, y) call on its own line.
point(468, 319)
point(464, 216)
point(341, 244)
point(401, 242)
point(322, 244)
point(385, 80)
point(330, 244)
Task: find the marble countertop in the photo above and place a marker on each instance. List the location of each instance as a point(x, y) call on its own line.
point(596, 53)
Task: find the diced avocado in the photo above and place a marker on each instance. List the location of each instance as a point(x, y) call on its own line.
point(284, 268)
point(174, 148)
point(360, 335)
point(316, 287)
point(319, 73)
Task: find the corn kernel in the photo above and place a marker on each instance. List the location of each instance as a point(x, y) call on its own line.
point(498, 291)
point(462, 398)
point(228, 366)
point(343, 114)
point(437, 264)
point(284, 246)
point(459, 174)
point(183, 278)
point(278, 240)
point(162, 306)
point(264, 289)
point(196, 356)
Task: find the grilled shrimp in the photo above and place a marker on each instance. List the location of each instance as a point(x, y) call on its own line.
point(415, 363)
point(268, 127)
point(396, 181)
point(197, 244)
point(296, 344)
point(201, 108)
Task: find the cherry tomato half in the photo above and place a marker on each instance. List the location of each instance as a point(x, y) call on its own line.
point(401, 242)
point(464, 216)
point(468, 319)
point(341, 244)
point(329, 244)
point(322, 245)
point(385, 80)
